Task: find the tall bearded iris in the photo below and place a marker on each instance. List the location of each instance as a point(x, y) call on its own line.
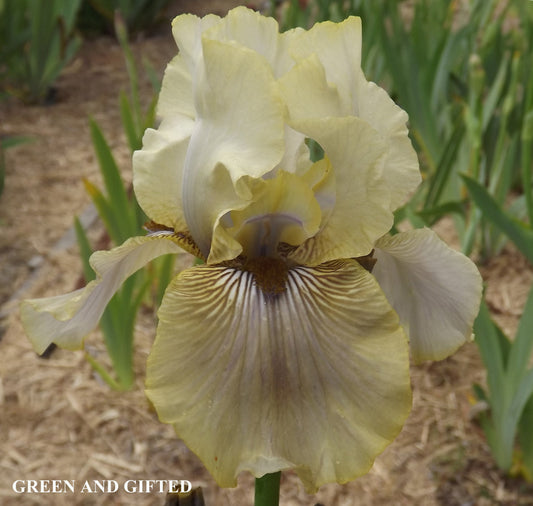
point(290, 347)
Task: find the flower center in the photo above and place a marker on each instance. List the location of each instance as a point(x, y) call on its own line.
point(271, 274)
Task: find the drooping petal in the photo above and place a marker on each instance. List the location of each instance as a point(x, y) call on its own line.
point(158, 171)
point(314, 378)
point(361, 213)
point(435, 290)
point(66, 319)
point(240, 119)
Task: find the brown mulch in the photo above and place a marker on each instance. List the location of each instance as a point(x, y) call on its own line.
point(58, 420)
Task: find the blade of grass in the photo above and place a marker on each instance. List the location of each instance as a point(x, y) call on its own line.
point(519, 233)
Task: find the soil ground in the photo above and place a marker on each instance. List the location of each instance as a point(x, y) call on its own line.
point(58, 420)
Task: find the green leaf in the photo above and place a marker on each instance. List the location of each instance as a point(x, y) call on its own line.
point(128, 122)
point(518, 232)
point(118, 198)
point(520, 353)
point(85, 250)
point(488, 340)
point(525, 439)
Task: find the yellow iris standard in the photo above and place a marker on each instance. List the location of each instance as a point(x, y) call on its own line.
point(289, 348)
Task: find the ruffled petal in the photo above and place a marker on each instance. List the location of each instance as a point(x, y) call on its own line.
point(328, 77)
point(187, 30)
point(435, 290)
point(158, 171)
point(314, 377)
point(66, 319)
point(240, 119)
point(338, 48)
point(401, 170)
point(361, 213)
point(260, 33)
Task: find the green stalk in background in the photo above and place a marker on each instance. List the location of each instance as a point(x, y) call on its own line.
point(122, 218)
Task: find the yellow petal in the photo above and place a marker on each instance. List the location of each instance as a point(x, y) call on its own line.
point(284, 209)
point(314, 378)
point(187, 30)
point(338, 48)
point(251, 29)
point(66, 319)
point(328, 77)
point(361, 213)
point(435, 290)
point(401, 170)
point(242, 126)
point(158, 171)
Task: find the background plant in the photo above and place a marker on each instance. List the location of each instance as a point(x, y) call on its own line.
point(37, 40)
point(508, 421)
point(97, 16)
point(122, 218)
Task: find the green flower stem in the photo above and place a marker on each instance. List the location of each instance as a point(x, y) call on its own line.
point(267, 490)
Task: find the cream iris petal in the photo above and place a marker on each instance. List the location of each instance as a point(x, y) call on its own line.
point(331, 75)
point(240, 118)
point(253, 30)
point(435, 290)
point(340, 55)
point(159, 171)
point(67, 319)
point(314, 377)
point(361, 213)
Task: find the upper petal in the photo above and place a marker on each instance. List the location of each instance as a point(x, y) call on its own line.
point(338, 48)
point(435, 290)
point(314, 378)
point(328, 81)
point(257, 32)
point(158, 171)
point(239, 131)
point(361, 213)
point(66, 319)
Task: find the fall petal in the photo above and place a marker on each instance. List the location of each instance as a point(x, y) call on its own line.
point(435, 290)
point(66, 319)
point(314, 377)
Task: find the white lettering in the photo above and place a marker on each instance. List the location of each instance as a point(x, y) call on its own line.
point(129, 487)
point(68, 484)
point(19, 489)
point(86, 489)
point(32, 487)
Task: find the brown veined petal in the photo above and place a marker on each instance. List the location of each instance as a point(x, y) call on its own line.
point(314, 378)
point(66, 319)
point(435, 290)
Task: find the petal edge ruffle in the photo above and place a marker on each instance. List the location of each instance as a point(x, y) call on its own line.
point(315, 378)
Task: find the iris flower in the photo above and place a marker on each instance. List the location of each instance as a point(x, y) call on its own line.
point(289, 348)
